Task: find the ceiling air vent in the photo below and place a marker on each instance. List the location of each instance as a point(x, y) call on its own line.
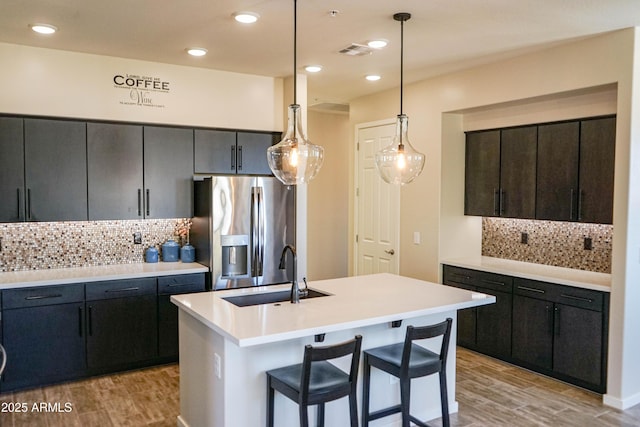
point(355, 49)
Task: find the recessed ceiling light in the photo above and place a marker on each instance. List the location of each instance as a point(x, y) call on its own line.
point(313, 68)
point(377, 44)
point(196, 51)
point(246, 17)
point(43, 28)
point(373, 77)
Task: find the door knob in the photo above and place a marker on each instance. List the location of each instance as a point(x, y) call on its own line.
point(390, 251)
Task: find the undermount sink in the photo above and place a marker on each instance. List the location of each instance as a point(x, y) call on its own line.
point(269, 297)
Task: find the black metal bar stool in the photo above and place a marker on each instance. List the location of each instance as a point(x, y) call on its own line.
point(316, 381)
point(406, 361)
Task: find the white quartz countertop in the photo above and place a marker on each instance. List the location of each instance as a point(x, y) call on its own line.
point(354, 302)
point(59, 276)
point(545, 273)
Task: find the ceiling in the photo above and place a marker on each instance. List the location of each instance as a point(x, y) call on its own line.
point(441, 36)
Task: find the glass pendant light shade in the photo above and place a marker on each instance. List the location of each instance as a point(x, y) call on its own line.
point(295, 160)
point(399, 163)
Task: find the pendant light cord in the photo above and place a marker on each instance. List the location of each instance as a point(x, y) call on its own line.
point(401, 62)
point(295, 50)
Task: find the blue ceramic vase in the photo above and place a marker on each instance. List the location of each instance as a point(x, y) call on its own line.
point(151, 255)
point(170, 250)
point(187, 253)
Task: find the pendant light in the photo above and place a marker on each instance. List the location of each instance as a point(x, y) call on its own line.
point(295, 160)
point(399, 163)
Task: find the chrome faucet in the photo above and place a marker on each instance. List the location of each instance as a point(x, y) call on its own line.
point(295, 291)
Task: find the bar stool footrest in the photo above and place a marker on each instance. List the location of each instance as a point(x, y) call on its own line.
point(381, 413)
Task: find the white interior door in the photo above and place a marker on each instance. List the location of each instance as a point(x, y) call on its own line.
point(378, 205)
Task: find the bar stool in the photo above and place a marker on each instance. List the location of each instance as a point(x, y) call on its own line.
point(406, 361)
point(316, 381)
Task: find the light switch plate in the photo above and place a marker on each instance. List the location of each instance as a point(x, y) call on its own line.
point(217, 365)
point(416, 237)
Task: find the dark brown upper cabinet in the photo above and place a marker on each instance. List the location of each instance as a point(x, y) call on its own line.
point(500, 173)
point(482, 173)
point(560, 171)
point(115, 174)
point(558, 160)
point(55, 170)
point(229, 152)
point(12, 191)
point(597, 158)
point(518, 172)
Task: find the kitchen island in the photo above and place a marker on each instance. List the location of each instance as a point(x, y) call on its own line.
point(225, 349)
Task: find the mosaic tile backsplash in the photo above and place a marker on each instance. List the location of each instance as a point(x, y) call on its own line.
point(43, 245)
point(549, 242)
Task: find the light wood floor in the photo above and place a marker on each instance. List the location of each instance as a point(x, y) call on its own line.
point(489, 392)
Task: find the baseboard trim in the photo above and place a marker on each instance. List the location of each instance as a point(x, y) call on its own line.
point(181, 422)
point(621, 404)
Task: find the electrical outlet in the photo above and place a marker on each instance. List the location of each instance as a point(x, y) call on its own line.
point(524, 238)
point(137, 238)
point(588, 244)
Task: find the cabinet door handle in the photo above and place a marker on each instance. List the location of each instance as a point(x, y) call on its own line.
point(148, 203)
point(233, 157)
point(139, 202)
point(550, 318)
point(239, 157)
point(174, 285)
point(496, 202)
point(130, 289)
point(571, 196)
point(526, 288)
point(580, 197)
point(19, 210)
point(502, 201)
point(89, 320)
point(575, 298)
point(80, 321)
point(556, 312)
point(462, 276)
point(493, 282)
point(28, 204)
point(37, 297)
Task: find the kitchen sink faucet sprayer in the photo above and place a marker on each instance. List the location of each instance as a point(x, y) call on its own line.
point(295, 291)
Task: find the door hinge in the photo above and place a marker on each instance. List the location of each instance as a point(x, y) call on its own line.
point(356, 238)
point(357, 192)
point(357, 146)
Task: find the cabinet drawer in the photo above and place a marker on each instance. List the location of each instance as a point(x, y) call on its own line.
point(181, 284)
point(42, 295)
point(534, 289)
point(579, 297)
point(121, 288)
point(458, 276)
point(496, 282)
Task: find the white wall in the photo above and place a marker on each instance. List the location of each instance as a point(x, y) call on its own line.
point(328, 197)
point(432, 204)
point(47, 82)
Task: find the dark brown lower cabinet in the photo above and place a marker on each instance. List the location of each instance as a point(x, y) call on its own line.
point(121, 331)
point(557, 330)
point(577, 343)
point(66, 332)
point(168, 311)
point(486, 329)
point(43, 335)
point(533, 331)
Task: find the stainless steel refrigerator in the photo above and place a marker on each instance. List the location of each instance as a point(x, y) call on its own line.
point(241, 225)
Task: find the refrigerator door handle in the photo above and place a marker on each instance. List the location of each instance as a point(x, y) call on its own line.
point(257, 232)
